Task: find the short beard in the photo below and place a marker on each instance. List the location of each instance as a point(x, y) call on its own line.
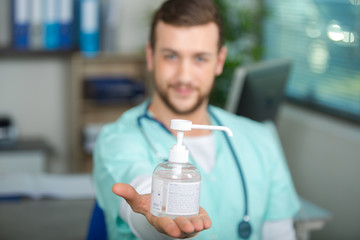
point(165, 99)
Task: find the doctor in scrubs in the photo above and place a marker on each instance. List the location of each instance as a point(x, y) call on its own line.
point(246, 190)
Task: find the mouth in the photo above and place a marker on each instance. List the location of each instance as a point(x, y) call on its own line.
point(183, 90)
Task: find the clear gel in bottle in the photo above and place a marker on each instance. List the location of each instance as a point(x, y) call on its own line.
point(176, 183)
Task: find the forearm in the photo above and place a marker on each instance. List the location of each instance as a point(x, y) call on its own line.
point(137, 222)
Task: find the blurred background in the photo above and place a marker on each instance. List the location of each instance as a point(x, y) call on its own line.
point(69, 66)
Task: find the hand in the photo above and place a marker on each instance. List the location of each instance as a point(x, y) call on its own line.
point(180, 227)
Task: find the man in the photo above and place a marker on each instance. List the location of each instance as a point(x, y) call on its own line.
point(185, 54)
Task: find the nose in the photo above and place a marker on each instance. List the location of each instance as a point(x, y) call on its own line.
point(185, 71)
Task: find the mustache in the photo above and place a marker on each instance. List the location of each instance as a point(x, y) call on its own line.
point(183, 85)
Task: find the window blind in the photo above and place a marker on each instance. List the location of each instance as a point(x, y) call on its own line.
point(322, 39)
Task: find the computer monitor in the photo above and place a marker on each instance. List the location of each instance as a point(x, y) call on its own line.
point(257, 90)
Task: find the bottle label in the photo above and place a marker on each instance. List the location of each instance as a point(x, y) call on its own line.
point(183, 198)
point(156, 195)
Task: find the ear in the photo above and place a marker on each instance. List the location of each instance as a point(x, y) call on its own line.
point(221, 60)
point(149, 57)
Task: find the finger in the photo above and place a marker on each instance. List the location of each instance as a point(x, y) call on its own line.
point(197, 222)
point(184, 224)
point(166, 225)
point(205, 218)
point(137, 202)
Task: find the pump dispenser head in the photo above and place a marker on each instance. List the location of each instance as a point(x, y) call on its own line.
point(179, 153)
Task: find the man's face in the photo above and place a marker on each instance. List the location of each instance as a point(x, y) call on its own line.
point(185, 61)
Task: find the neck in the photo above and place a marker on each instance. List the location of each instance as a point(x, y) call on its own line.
point(164, 114)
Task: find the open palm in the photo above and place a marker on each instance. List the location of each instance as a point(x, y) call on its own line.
point(180, 227)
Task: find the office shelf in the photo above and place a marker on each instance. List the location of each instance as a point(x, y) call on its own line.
point(9, 52)
point(86, 112)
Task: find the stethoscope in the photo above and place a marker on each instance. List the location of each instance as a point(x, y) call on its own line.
point(244, 227)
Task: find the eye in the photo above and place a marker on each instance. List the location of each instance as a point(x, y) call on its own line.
point(170, 56)
point(200, 59)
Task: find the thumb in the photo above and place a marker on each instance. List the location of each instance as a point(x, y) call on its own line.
point(125, 191)
point(136, 201)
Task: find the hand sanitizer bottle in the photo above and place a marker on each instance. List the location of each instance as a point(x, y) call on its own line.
point(176, 183)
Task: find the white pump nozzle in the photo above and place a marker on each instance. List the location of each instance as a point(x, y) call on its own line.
point(178, 153)
point(221, 128)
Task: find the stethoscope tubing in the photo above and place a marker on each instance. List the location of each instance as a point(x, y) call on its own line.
point(237, 161)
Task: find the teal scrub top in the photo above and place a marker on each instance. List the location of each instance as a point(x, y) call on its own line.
point(122, 153)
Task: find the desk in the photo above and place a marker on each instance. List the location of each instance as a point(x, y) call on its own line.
point(45, 219)
point(24, 156)
point(69, 219)
point(310, 217)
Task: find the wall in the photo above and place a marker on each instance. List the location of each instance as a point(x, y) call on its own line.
point(33, 91)
point(323, 153)
point(134, 21)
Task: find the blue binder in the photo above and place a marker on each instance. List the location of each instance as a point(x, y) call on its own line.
point(51, 25)
point(66, 24)
point(89, 27)
point(21, 22)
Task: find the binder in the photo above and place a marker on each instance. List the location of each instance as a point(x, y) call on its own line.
point(36, 33)
point(110, 25)
point(89, 27)
point(51, 25)
point(5, 23)
point(21, 24)
point(66, 24)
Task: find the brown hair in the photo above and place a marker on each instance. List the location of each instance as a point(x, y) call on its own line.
point(187, 13)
